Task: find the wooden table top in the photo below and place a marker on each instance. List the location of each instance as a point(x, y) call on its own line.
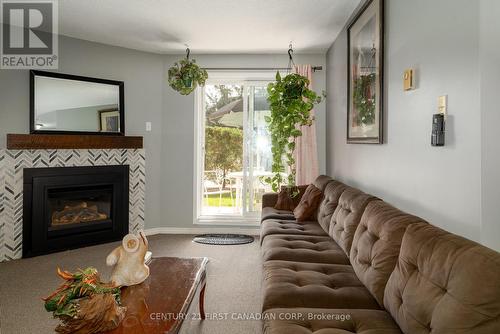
point(157, 304)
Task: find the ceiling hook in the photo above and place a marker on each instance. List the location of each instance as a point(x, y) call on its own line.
point(187, 53)
point(290, 51)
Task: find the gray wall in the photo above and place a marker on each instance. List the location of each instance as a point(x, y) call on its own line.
point(178, 131)
point(143, 76)
point(489, 41)
point(441, 184)
point(170, 145)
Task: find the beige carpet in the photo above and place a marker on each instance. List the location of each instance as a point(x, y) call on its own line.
point(233, 285)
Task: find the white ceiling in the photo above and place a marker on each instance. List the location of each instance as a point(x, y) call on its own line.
point(207, 26)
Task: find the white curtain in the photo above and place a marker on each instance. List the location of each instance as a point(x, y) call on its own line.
point(306, 151)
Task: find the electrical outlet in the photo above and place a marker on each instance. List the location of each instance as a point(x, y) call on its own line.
point(148, 126)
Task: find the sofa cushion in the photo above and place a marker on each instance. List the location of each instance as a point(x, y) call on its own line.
point(298, 284)
point(272, 213)
point(314, 249)
point(308, 204)
point(331, 196)
point(444, 283)
point(376, 245)
point(321, 182)
point(281, 226)
point(347, 215)
point(328, 321)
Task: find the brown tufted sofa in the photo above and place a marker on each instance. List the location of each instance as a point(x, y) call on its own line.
point(363, 266)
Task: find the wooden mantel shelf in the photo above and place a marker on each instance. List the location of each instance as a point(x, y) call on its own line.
point(60, 141)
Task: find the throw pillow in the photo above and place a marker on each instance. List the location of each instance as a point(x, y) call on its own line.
point(308, 204)
point(286, 201)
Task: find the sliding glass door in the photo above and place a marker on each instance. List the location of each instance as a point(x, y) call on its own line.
point(257, 150)
point(234, 151)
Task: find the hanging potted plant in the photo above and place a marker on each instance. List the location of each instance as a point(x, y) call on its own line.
point(291, 102)
point(186, 75)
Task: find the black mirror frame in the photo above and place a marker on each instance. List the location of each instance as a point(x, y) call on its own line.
point(120, 85)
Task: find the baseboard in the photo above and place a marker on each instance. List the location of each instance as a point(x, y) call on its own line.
point(201, 230)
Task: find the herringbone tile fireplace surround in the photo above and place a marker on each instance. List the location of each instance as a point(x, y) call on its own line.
point(12, 163)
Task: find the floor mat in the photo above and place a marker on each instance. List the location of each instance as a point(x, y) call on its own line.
point(223, 239)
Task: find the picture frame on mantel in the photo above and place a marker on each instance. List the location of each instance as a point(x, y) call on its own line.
point(365, 66)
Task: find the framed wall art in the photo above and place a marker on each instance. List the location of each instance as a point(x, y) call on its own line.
point(365, 38)
point(109, 120)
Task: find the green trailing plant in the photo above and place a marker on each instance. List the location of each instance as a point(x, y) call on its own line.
point(186, 75)
point(364, 99)
point(291, 102)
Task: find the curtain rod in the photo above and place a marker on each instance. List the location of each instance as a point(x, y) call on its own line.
point(314, 68)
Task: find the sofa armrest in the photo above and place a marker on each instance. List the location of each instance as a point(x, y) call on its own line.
point(269, 200)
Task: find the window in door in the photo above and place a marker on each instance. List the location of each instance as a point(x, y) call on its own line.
point(234, 151)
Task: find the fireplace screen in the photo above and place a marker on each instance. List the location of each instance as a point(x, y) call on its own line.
point(68, 208)
point(71, 207)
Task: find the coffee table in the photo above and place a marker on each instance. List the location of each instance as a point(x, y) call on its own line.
point(160, 304)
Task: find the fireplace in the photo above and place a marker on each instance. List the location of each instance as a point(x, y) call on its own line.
point(71, 207)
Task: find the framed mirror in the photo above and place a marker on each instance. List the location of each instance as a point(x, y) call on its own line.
point(63, 103)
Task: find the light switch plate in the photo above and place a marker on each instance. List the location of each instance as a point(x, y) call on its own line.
point(148, 126)
point(443, 104)
point(409, 79)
